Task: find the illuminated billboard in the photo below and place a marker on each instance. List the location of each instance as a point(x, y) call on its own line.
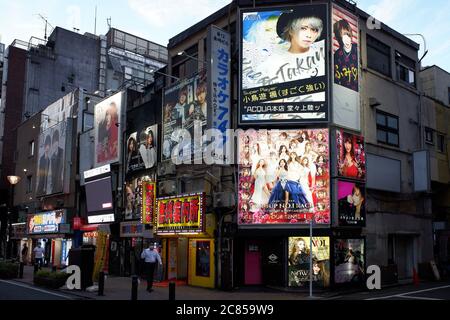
point(148, 202)
point(351, 155)
point(181, 214)
point(349, 261)
point(283, 177)
point(299, 255)
point(351, 203)
point(45, 222)
point(283, 70)
point(345, 43)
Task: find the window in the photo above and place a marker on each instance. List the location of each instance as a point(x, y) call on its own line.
point(29, 184)
point(429, 135)
point(387, 129)
point(31, 149)
point(378, 56)
point(406, 69)
point(441, 142)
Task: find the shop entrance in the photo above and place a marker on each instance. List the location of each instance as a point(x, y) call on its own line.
point(264, 262)
point(253, 263)
point(176, 258)
point(401, 248)
point(201, 262)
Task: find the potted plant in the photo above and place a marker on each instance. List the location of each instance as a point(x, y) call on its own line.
point(8, 270)
point(52, 280)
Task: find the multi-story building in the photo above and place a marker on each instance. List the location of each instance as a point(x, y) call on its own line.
point(38, 73)
point(383, 120)
point(46, 160)
point(435, 116)
point(13, 85)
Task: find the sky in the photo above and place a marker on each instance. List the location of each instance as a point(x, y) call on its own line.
point(160, 20)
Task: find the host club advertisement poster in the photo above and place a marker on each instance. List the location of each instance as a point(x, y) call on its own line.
point(283, 70)
point(349, 261)
point(299, 256)
point(283, 177)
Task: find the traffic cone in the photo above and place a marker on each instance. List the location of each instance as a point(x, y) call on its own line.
point(416, 279)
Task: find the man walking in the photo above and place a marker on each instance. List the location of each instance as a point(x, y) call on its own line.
point(39, 255)
point(151, 258)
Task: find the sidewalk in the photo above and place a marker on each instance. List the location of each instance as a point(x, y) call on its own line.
point(119, 288)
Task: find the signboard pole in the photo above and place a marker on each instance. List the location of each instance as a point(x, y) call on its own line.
point(310, 256)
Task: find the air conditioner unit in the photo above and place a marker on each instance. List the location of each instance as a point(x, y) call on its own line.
point(224, 200)
point(168, 187)
point(166, 168)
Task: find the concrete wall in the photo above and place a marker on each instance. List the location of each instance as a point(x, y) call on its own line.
point(435, 83)
point(406, 213)
point(73, 56)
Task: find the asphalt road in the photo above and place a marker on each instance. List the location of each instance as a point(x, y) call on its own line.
point(10, 290)
point(425, 291)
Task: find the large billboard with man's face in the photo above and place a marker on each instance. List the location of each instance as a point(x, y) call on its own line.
point(284, 177)
point(283, 69)
point(107, 130)
point(185, 103)
point(345, 44)
point(51, 155)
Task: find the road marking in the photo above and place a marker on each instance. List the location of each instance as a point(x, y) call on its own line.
point(418, 298)
point(36, 289)
point(400, 295)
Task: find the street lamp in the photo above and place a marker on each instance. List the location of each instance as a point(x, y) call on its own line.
point(13, 180)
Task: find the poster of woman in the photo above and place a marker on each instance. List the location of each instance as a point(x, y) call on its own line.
point(351, 203)
point(351, 155)
point(280, 182)
point(283, 69)
point(106, 130)
point(299, 255)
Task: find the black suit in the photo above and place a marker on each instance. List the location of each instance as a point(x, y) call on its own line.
point(44, 165)
point(57, 171)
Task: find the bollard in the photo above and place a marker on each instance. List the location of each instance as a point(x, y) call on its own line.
point(36, 267)
point(101, 283)
point(54, 269)
point(134, 288)
point(172, 291)
point(21, 270)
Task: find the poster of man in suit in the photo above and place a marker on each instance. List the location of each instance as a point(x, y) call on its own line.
point(50, 173)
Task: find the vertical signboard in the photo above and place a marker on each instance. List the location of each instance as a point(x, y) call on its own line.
point(107, 130)
point(219, 80)
point(346, 110)
point(283, 69)
point(148, 202)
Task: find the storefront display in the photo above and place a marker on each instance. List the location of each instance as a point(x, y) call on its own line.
point(299, 252)
point(349, 261)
